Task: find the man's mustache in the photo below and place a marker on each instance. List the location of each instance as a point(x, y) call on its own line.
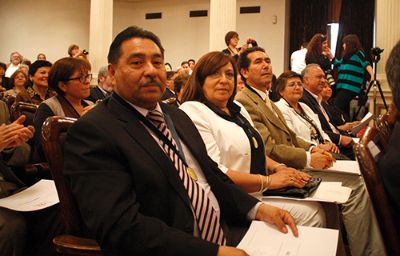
point(153, 81)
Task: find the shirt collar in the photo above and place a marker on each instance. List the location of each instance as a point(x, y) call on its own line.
point(144, 111)
point(262, 94)
point(318, 98)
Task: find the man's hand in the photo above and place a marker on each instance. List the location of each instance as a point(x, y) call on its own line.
point(346, 141)
point(321, 160)
point(285, 177)
point(14, 134)
point(330, 147)
point(230, 251)
point(277, 217)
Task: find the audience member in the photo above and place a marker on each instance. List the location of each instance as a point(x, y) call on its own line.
point(38, 74)
point(168, 67)
point(282, 145)
point(185, 67)
point(232, 41)
point(180, 80)
point(191, 62)
point(15, 61)
point(389, 163)
point(233, 142)
point(18, 82)
point(298, 59)
point(104, 86)
point(145, 205)
point(336, 116)
point(240, 83)
point(3, 79)
point(28, 233)
point(24, 68)
point(70, 79)
point(351, 72)
point(41, 56)
point(314, 82)
point(169, 96)
point(298, 116)
point(26, 62)
point(74, 52)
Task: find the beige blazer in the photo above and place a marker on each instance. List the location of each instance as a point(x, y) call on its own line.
point(281, 143)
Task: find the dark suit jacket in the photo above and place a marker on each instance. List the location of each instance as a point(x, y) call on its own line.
point(313, 104)
point(281, 143)
point(96, 94)
point(128, 191)
point(389, 167)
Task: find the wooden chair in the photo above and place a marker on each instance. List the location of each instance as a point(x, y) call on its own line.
point(367, 152)
point(71, 243)
point(23, 108)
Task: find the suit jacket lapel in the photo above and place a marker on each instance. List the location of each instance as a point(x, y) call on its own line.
point(276, 121)
point(142, 136)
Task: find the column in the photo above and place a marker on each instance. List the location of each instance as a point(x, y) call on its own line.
point(100, 37)
point(222, 20)
point(387, 35)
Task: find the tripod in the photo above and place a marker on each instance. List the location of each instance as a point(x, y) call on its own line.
point(375, 83)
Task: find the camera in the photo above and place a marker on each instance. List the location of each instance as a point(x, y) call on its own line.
point(376, 54)
point(85, 52)
point(376, 51)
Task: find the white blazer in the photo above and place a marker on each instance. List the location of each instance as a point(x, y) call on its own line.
point(226, 142)
point(298, 125)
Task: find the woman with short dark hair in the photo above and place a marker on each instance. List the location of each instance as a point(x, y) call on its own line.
point(70, 78)
point(232, 41)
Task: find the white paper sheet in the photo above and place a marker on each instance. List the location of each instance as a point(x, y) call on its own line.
point(263, 239)
point(342, 166)
point(41, 195)
point(332, 192)
point(364, 122)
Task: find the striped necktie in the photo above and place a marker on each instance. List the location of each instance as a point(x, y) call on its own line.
point(207, 219)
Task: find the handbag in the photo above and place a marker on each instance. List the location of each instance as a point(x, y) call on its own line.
point(303, 192)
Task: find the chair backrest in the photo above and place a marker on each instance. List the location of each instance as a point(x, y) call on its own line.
point(53, 130)
point(23, 108)
point(384, 127)
point(367, 152)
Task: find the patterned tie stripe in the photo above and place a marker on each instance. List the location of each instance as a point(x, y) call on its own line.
point(207, 219)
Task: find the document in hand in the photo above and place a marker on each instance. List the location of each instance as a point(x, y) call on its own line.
point(41, 195)
point(341, 166)
point(364, 122)
point(263, 239)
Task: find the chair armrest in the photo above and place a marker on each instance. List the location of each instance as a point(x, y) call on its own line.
point(74, 245)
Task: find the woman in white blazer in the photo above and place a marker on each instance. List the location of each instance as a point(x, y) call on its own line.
point(298, 116)
point(233, 142)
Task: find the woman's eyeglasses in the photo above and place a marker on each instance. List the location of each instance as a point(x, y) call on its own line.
point(82, 79)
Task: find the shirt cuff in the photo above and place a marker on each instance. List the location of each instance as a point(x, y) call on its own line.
point(308, 154)
point(251, 215)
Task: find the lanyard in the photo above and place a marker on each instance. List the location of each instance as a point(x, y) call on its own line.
point(151, 126)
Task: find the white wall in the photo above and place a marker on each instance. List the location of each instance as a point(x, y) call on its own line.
point(182, 37)
point(48, 26)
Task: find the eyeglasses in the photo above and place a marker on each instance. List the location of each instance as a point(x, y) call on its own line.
point(82, 79)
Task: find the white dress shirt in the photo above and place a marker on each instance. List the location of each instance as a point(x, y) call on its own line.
point(295, 122)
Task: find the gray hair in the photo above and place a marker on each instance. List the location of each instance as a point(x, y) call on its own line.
point(306, 70)
point(103, 71)
point(393, 73)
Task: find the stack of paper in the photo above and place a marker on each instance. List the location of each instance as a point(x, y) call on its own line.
point(332, 192)
point(364, 122)
point(41, 195)
point(263, 239)
point(341, 166)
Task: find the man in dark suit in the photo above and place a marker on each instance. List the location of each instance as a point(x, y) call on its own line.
point(389, 164)
point(283, 145)
point(139, 170)
point(104, 87)
point(314, 82)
